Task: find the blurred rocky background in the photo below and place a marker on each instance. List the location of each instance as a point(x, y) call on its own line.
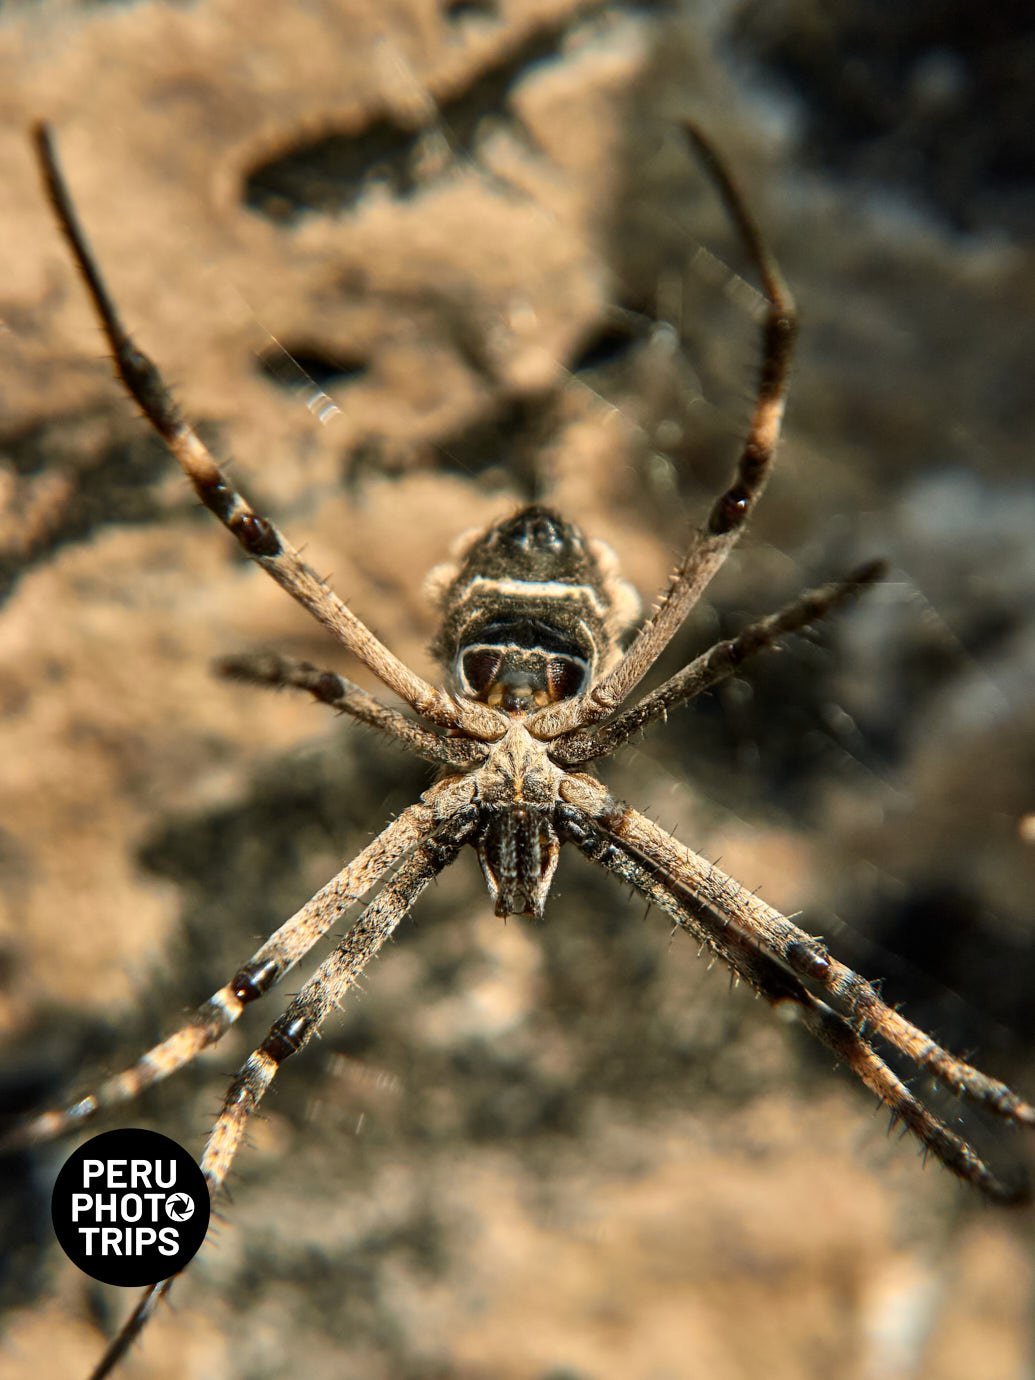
point(561, 1152)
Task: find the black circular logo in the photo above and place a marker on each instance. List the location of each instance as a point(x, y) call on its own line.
point(130, 1207)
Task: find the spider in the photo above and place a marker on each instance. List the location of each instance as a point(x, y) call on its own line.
point(537, 685)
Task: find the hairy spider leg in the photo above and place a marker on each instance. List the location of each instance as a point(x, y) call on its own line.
point(328, 687)
point(323, 993)
point(257, 535)
point(713, 666)
point(810, 958)
point(711, 544)
point(725, 923)
point(277, 956)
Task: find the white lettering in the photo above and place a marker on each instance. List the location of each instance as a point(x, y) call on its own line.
point(171, 1173)
point(105, 1206)
point(139, 1174)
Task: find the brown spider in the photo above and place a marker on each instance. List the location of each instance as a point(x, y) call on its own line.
point(536, 687)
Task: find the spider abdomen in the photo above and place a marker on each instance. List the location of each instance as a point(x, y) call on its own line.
point(531, 612)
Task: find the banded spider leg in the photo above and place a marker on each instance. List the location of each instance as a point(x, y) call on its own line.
point(322, 994)
point(777, 959)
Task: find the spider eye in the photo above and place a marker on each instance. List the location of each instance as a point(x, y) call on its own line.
point(565, 677)
point(479, 669)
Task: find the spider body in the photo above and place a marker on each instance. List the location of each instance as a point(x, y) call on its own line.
point(530, 613)
point(536, 686)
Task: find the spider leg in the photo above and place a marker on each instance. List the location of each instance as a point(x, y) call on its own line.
point(710, 545)
point(726, 928)
point(257, 535)
point(210, 1022)
point(714, 665)
point(131, 1329)
point(297, 1025)
point(271, 669)
point(809, 958)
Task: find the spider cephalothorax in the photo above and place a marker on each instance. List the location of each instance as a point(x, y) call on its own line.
point(536, 688)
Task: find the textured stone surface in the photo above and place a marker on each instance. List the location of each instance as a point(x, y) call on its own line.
point(529, 1153)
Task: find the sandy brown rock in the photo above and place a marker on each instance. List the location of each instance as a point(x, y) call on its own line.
point(565, 1152)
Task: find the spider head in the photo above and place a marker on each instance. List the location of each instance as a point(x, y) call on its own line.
point(531, 611)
